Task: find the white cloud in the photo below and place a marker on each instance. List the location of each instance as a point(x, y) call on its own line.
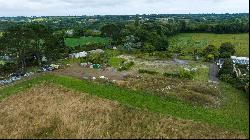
point(102, 7)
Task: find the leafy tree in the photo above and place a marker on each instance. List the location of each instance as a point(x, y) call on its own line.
point(113, 31)
point(226, 72)
point(226, 50)
point(210, 53)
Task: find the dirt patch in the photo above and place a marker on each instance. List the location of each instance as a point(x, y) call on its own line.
point(55, 112)
point(75, 70)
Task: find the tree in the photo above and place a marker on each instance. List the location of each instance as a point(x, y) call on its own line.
point(226, 50)
point(28, 43)
point(111, 30)
point(226, 72)
point(210, 53)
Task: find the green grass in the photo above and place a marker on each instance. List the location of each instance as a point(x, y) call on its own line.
point(233, 115)
point(189, 41)
point(116, 62)
point(72, 42)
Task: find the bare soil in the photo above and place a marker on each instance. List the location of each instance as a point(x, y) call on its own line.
point(75, 70)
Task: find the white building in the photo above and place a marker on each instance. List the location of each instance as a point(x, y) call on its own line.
point(240, 60)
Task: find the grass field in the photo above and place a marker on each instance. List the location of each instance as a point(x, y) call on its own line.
point(72, 42)
point(187, 42)
point(52, 111)
point(232, 115)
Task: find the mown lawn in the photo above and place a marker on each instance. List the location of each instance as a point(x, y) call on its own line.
point(72, 42)
point(233, 115)
point(189, 41)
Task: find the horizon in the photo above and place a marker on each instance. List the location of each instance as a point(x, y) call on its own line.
point(38, 8)
point(128, 15)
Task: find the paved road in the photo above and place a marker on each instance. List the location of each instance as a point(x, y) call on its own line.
point(213, 70)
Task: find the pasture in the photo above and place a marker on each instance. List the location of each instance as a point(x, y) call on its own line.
point(73, 42)
point(187, 42)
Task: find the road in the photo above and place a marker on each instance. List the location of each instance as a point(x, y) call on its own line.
point(213, 70)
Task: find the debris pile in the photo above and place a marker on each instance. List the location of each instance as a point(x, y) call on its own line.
point(90, 65)
point(15, 77)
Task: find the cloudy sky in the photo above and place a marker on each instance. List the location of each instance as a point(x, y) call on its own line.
point(118, 7)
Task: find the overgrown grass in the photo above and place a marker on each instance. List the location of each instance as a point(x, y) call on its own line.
point(116, 62)
point(73, 42)
point(187, 42)
point(233, 115)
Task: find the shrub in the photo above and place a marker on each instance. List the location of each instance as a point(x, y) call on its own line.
point(126, 66)
point(182, 73)
point(172, 75)
point(97, 58)
point(209, 57)
point(185, 74)
point(147, 71)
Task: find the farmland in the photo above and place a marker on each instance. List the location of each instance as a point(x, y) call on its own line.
point(190, 41)
point(73, 42)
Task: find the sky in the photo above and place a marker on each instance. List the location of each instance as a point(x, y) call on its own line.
point(119, 7)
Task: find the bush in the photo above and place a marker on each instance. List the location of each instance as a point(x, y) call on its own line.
point(226, 50)
point(209, 57)
point(185, 74)
point(126, 66)
point(97, 58)
point(172, 75)
point(148, 72)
